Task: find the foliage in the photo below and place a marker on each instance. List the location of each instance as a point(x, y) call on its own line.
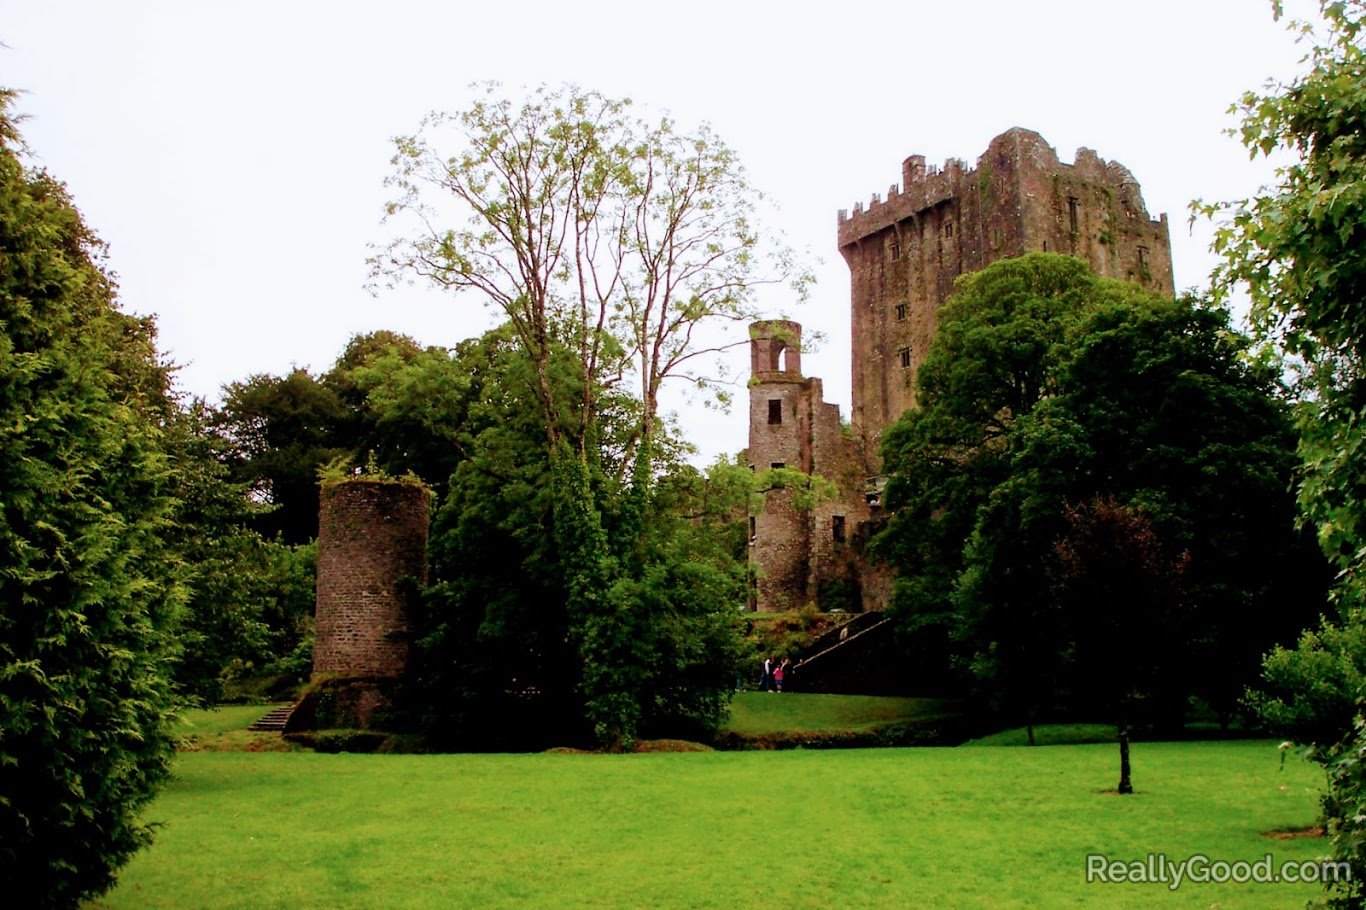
point(249, 601)
point(1309, 692)
point(280, 430)
point(87, 594)
point(617, 239)
point(1049, 389)
point(611, 245)
point(643, 643)
point(1299, 250)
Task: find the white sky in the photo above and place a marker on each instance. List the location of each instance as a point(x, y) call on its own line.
point(233, 154)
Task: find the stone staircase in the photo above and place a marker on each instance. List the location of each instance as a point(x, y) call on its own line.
point(274, 721)
point(847, 659)
point(841, 637)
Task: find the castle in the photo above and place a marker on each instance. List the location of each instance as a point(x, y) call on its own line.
point(904, 254)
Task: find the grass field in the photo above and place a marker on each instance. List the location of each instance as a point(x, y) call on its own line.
point(980, 827)
point(757, 713)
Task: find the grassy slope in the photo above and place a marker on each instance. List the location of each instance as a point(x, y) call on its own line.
point(197, 723)
point(895, 827)
point(756, 713)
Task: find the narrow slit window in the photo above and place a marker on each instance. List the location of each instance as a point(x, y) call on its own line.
point(753, 529)
point(893, 248)
point(1073, 213)
point(837, 528)
point(1143, 259)
point(900, 312)
point(777, 464)
point(775, 410)
point(905, 355)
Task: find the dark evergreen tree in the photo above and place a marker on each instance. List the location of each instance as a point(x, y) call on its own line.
point(87, 592)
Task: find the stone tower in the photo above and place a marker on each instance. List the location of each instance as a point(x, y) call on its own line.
point(905, 253)
point(800, 553)
point(372, 546)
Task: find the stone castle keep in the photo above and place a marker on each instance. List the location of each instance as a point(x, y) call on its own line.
point(904, 254)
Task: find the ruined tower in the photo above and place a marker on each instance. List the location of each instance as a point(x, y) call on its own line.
point(372, 545)
point(801, 552)
point(904, 253)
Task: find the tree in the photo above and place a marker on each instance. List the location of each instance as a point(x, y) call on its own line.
point(1297, 248)
point(1122, 594)
point(993, 360)
point(249, 601)
point(1049, 389)
point(502, 662)
point(618, 239)
point(281, 430)
point(614, 243)
point(87, 594)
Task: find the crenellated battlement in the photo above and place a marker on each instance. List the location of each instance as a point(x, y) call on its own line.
point(923, 187)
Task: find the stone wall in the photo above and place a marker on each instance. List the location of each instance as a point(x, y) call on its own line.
point(905, 252)
point(372, 545)
point(801, 556)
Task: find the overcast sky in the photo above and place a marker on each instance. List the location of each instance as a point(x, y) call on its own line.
point(233, 155)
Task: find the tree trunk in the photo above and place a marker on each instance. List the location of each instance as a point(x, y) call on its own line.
point(1125, 784)
point(1029, 733)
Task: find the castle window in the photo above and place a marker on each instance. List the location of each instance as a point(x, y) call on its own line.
point(775, 410)
point(948, 228)
point(778, 464)
point(753, 529)
point(893, 247)
point(837, 528)
point(905, 355)
point(1143, 260)
point(900, 312)
point(1073, 213)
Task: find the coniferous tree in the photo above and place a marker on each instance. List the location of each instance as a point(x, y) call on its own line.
point(86, 592)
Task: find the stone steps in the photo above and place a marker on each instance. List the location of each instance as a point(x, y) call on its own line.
point(274, 721)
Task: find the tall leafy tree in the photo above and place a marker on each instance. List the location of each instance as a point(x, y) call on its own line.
point(1298, 249)
point(87, 593)
point(249, 601)
point(609, 239)
point(281, 430)
point(501, 662)
point(1097, 391)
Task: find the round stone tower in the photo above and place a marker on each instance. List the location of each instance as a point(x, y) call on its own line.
point(372, 546)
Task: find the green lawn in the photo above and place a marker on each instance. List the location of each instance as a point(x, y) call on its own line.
point(196, 724)
point(981, 827)
point(757, 713)
point(225, 729)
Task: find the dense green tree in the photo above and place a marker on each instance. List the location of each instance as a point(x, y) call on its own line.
point(87, 593)
point(1099, 391)
point(993, 360)
point(611, 245)
point(282, 429)
point(502, 663)
point(1298, 249)
point(249, 601)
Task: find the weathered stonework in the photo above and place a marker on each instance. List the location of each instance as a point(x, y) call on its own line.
point(801, 556)
point(904, 255)
point(372, 544)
